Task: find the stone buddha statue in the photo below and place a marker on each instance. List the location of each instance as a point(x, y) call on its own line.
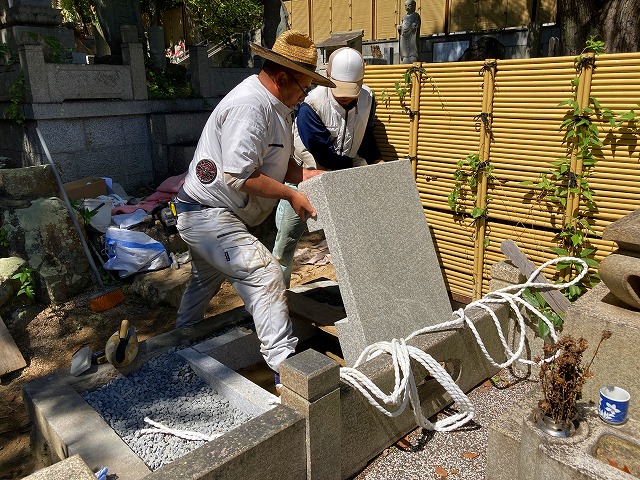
point(409, 33)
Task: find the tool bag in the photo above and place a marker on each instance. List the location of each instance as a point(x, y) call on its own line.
point(130, 252)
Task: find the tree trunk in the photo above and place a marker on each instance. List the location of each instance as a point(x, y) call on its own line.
point(616, 22)
point(621, 26)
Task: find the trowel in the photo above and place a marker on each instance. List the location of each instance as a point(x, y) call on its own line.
point(122, 346)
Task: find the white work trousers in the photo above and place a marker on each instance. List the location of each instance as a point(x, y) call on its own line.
point(221, 247)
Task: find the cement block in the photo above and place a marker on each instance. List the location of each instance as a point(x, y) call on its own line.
point(222, 79)
point(625, 232)
point(72, 468)
point(236, 349)
point(382, 250)
point(77, 82)
point(618, 359)
point(322, 433)
point(241, 393)
point(56, 409)
point(310, 374)
point(270, 446)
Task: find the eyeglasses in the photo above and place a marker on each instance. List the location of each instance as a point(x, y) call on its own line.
point(305, 91)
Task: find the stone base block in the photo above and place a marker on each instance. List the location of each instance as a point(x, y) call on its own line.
point(618, 359)
point(519, 450)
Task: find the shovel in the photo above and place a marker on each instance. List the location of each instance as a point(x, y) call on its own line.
point(122, 346)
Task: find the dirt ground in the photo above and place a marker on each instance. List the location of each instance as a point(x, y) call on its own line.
point(48, 337)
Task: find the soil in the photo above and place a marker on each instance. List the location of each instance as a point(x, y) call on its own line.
point(48, 336)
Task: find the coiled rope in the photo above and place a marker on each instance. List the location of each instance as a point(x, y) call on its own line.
point(405, 389)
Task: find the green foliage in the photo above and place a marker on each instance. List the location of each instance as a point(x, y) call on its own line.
point(466, 177)
point(402, 88)
point(594, 45)
point(59, 53)
point(76, 11)
point(18, 92)
point(173, 82)
point(533, 298)
point(25, 277)
point(582, 138)
point(217, 20)
point(85, 213)
point(4, 238)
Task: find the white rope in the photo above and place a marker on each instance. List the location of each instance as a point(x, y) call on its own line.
point(405, 390)
point(185, 434)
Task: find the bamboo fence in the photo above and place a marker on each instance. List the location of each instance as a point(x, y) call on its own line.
point(507, 113)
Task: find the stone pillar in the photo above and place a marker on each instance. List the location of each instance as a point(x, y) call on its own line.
point(200, 70)
point(35, 73)
point(311, 386)
point(133, 56)
point(156, 47)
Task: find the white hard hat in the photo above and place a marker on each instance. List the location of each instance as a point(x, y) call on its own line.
point(346, 69)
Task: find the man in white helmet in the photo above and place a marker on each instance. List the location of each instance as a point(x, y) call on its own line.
point(333, 130)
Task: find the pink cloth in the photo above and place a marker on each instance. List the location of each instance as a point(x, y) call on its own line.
point(166, 191)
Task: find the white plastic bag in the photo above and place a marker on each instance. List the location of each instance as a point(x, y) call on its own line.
point(130, 251)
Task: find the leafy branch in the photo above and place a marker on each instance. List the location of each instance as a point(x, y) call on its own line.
point(18, 92)
point(25, 277)
point(466, 177)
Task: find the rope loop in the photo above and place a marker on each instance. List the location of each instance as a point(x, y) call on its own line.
point(405, 391)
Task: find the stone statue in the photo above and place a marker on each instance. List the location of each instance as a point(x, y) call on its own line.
point(409, 33)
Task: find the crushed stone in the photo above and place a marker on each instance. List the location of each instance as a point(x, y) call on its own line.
point(456, 455)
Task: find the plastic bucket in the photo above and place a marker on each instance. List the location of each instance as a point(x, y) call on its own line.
point(101, 220)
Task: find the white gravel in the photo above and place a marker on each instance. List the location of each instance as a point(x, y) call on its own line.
point(460, 454)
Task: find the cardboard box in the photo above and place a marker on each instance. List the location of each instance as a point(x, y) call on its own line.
point(88, 187)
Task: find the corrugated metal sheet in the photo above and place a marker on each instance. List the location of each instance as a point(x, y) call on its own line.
point(299, 15)
point(387, 16)
point(320, 19)
point(341, 15)
point(463, 15)
point(432, 16)
point(547, 13)
point(361, 18)
point(526, 137)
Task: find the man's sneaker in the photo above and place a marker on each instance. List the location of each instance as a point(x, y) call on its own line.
point(278, 384)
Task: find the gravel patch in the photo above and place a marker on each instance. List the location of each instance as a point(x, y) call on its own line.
point(168, 391)
point(460, 454)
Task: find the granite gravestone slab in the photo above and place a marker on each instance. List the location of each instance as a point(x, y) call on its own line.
point(382, 251)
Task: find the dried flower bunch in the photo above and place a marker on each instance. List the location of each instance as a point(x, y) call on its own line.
point(562, 378)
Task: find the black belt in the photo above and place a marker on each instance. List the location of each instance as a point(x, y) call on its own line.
point(182, 207)
point(185, 203)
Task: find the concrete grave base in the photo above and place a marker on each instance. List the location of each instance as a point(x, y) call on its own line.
point(320, 417)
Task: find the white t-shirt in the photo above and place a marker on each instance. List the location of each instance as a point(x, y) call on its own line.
point(249, 130)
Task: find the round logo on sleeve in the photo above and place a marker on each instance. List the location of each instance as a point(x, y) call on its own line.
point(206, 171)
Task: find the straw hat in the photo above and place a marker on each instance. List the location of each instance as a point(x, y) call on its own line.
point(294, 50)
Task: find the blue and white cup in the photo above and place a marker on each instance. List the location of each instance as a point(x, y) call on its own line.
point(614, 404)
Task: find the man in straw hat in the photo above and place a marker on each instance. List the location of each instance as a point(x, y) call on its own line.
point(334, 129)
point(235, 180)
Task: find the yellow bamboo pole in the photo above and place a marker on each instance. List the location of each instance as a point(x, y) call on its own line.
point(481, 197)
point(582, 97)
point(414, 116)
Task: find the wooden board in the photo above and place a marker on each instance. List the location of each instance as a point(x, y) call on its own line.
point(10, 357)
point(556, 300)
point(318, 314)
